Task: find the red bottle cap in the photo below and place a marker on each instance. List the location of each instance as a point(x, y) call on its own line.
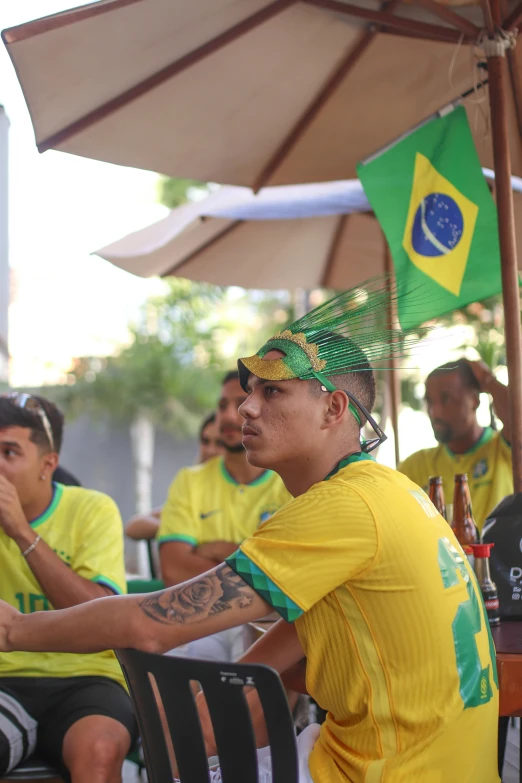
point(481, 550)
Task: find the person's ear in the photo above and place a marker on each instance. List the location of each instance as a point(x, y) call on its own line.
point(49, 464)
point(337, 407)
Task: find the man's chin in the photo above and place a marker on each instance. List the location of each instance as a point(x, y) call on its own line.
point(442, 436)
point(233, 448)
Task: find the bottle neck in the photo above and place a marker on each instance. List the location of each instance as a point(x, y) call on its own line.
point(482, 569)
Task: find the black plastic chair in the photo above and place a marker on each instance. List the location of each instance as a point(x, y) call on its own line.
point(223, 686)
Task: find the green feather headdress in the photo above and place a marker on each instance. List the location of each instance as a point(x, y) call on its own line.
point(340, 336)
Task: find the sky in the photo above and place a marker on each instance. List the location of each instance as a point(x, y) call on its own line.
point(65, 302)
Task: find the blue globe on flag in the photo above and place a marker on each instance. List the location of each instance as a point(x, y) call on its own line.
point(438, 226)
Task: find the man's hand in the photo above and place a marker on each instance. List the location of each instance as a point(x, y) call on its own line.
point(216, 550)
point(7, 614)
point(482, 373)
point(12, 517)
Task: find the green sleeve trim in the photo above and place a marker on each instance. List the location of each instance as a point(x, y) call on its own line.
point(103, 580)
point(264, 586)
point(178, 537)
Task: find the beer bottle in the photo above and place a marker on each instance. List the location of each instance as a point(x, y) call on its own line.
point(487, 585)
point(463, 524)
point(436, 495)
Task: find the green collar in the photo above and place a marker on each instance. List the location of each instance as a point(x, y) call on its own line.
point(255, 483)
point(359, 456)
point(51, 508)
point(486, 436)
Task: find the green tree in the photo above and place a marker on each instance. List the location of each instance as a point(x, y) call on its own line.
point(173, 191)
point(167, 376)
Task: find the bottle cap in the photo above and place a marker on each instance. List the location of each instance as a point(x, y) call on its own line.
point(481, 550)
point(435, 479)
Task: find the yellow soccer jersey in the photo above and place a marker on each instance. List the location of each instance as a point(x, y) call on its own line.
point(488, 465)
point(84, 528)
point(206, 504)
point(393, 626)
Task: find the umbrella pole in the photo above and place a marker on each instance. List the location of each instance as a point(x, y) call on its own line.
point(498, 90)
point(394, 386)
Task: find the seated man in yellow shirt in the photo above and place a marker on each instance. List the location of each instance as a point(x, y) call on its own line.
point(452, 398)
point(60, 546)
point(211, 508)
point(145, 526)
point(371, 584)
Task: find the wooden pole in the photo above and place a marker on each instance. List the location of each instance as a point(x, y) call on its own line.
point(394, 384)
point(498, 89)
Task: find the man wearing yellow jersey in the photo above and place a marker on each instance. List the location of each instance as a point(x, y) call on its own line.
point(452, 397)
point(211, 508)
point(382, 601)
point(59, 546)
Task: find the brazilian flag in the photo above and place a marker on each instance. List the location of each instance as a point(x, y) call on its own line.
point(435, 208)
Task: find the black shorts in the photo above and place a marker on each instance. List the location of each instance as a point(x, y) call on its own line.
point(36, 713)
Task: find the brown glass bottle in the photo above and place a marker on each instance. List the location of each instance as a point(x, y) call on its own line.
point(463, 524)
point(436, 494)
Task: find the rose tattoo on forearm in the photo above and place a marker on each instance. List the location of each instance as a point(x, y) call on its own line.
point(206, 596)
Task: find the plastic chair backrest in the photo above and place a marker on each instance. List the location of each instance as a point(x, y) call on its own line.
point(223, 686)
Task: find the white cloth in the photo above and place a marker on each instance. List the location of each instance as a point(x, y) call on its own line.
point(223, 646)
point(305, 742)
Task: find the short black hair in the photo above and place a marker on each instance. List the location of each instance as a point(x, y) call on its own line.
point(464, 370)
point(210, 419)
point(232, 375)
point(359, 380)
point(11, 415)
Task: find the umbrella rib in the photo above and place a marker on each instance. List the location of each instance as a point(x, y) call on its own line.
point(47, 23)
point(445, 12)
point(332, 252)
point(330, 86)
point(124, 98)
point(390, 20)
point(488, 18)
point(513, 18)
point(220, 235)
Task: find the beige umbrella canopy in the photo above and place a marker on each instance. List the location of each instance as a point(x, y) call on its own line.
point(251, 92)
point(285, 237)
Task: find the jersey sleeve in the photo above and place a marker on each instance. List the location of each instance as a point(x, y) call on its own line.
point(179, 522)
point(99, 554)
point(312, 545)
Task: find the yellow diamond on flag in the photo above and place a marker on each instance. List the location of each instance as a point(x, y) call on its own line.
point(439, 228)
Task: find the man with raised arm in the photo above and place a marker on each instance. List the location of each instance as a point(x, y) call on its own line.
point(452, 399)
point(380, 596)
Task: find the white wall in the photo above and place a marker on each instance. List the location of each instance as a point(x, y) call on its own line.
point(4, 245)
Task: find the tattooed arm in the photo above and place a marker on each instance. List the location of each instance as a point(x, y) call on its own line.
point(212, 602)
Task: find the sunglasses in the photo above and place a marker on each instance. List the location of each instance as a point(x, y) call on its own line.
point(29, 403)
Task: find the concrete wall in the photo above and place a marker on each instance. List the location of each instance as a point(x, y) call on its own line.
point(4, 245)
point(100, 456)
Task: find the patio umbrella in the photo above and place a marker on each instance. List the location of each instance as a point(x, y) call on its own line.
point(259, 92)
point(249, 92)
